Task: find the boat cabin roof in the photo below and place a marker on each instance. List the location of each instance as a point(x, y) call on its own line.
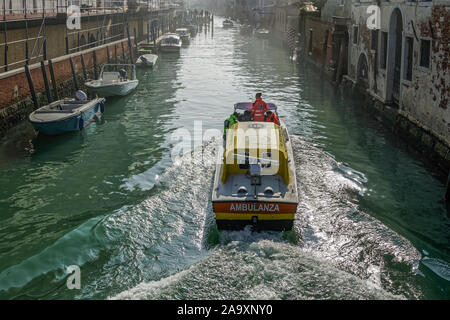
point(261, 143)
point(254, 135)
point(171, 35)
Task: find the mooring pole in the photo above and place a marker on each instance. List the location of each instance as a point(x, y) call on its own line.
point(108, 57)
point(46, 84)
point(31, 85)
point(135, 40)
point(130, 48)
point(52, 77)
point(45, 49)
point(83, 65)
point(67, 44)
point(94, 58)
point(75, 81)
point(123, 52)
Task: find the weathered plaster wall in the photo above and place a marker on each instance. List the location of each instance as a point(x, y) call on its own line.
point(425, 99)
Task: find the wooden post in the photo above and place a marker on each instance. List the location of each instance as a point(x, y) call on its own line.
point(115, 52)
point(52, 77)
point(74, 74)
point(123, 52)
point(135, 39)
point(108, 57)
point(31, 85)
point(67, 44)
point(45, 49)
point(46, 84)
point(26, 52)
point(94, 58)
point(84, 67)
point(130, 48)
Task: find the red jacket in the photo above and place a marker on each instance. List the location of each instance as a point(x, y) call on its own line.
point(273, 118)
point(258, 109)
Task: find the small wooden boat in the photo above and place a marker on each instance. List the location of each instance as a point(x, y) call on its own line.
point(227, 23)
point(184, 34)
point(255, 182)
point(170, 42)
point(262, 33)
point(146, 60)
point(113, 83)
point(66, 115)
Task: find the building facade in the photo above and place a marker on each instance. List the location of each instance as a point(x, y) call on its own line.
point(404, 62)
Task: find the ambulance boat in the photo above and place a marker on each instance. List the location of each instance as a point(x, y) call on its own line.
point(255, 182)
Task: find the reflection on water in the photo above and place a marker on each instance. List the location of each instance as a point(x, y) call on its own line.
point(370, 223)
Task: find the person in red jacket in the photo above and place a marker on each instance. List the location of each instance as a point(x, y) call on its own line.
point(271, 117)
point(259, 108)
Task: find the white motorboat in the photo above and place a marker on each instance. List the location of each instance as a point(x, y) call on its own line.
point(115, 82)
point(146, 60)
point(184, 34)
point(170, 42)
point(262, 33)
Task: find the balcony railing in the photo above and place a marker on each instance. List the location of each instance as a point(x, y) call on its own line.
point(20, 10)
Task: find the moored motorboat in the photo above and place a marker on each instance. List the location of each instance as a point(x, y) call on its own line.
point(227, 23)
point(255, 182)
point(146, 60)
point(262, 33)
point(184, 35)
point(66, 115)
point(115, 82)
point(170, 42)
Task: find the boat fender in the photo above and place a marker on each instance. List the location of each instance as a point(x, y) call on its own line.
point(80, 95)
point(102, 106)
point(81, 123)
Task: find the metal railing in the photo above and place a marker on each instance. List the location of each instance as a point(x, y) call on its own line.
point(34, 47)
point(35, 9)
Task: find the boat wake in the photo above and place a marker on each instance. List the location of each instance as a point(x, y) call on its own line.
point(168, 247)
point(338, 251)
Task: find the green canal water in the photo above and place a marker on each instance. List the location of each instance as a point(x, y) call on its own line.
point(371, 222)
